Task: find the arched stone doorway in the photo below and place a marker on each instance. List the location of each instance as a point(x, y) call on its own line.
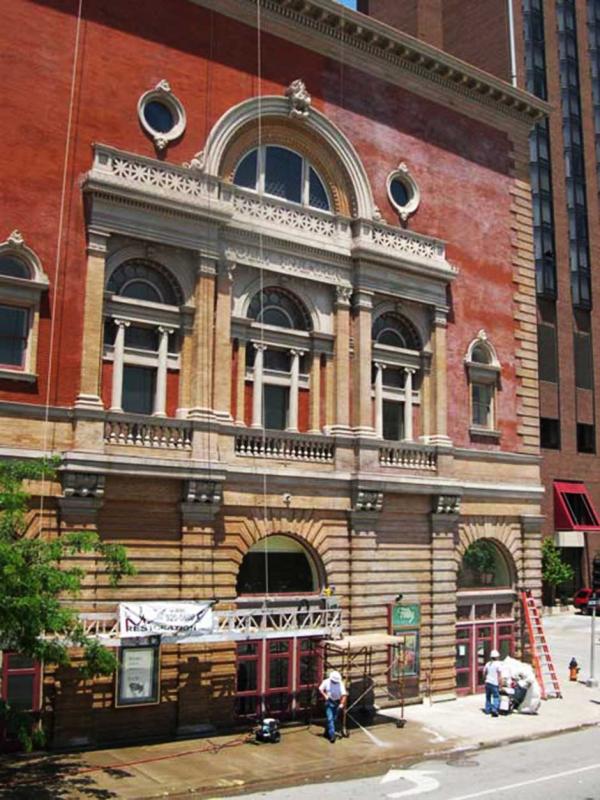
point(277, 674)
point(485, 611)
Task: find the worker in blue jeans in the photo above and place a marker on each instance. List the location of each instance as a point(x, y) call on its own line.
point(493, 675)
point(333, 691)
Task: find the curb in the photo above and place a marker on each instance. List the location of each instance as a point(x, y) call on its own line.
point(347, 772)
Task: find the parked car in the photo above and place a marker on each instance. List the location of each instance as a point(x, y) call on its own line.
point(581, 599)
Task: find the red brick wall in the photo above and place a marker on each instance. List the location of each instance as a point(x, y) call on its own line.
point(419, 18)
point(460, 164)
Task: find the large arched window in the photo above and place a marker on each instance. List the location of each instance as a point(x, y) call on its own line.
point(275, 565)
point(275, 306)
point(280, 172)
point(141, 335)
point(484, 566)
point(396, 354)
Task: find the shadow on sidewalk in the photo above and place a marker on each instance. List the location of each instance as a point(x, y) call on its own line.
point(50, 778)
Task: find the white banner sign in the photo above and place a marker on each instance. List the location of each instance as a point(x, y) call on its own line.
point(166, 619)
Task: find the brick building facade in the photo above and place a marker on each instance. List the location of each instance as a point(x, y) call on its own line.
point(555, 55)
point(268, 291)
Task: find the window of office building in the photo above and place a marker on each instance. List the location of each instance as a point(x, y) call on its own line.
point(594, 52)
point(539, 144)
point(579, 256)
point(586, 438)
point(582, 348)
point(549, 433)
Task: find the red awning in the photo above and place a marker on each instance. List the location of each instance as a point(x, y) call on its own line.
point(573, 507)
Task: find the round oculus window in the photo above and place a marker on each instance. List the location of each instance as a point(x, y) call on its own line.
point(161, 115)
point(403, 192)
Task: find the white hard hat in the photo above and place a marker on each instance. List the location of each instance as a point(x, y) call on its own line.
point(335, 676)
point(494, 654)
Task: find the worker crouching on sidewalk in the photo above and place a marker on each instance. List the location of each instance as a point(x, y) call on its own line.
point(334, 693)
point(493, 675)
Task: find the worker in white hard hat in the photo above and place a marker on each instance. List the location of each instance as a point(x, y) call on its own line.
point(492, 673)
point(333, 691)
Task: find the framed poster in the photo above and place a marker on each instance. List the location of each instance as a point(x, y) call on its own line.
point(138, 676)
point(411, 655)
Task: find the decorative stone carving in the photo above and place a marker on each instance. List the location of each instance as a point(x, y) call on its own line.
point(197, 161)
point(447, 504)
point(83, 494)
point(367, 500)
point(343, 295)
point(202, 501)
point(163, 94)
point(299, 98)
point(366, 510)
point(16, 239)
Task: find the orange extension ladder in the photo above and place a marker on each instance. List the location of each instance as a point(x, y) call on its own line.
point(540, 652)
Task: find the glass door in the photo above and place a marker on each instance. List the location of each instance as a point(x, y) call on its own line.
point(484, 644)
point(21, 681)
point(278, 684)
point(464, 658)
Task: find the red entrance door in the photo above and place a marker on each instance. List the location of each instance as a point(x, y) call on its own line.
point(277, 677)
point(474, 643)
point(21, 680)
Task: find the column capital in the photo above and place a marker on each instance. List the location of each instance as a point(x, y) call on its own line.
point(343, 295)
point(207, 265)
point(97, 242)
point(295, 351)
point(166, 329)
point(362, 300)
point(259, 346)
point(226, 268)
point(440, 316)
point(380, 365)
point(121, 323)
point(410, 370)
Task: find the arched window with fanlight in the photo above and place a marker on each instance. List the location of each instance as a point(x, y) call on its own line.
point(141, 335)
point(280, 172)
point(483, 372)
point(22, 282)
point(396, 365)
point(276, 359)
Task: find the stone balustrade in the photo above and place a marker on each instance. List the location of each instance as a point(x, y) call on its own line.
point(146, 432)
point(408, 456)
point(288, 446)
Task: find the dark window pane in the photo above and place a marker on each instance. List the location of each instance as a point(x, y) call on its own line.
point(482, 404)
point(141, 338)
point(548, 368)
point(393, 377)
point(246, 706)
point(317, 196)
point(145, 280)
point(276, 407)
point(17, 661)
point(550, 433)
point(246, 676)
point(400, 192)
point(278, 673)
point(579, 508)
point(247, 649)
point(287, 572)
point(245, 174)
point(138, 389)
point(283, 174)
point(276, 316)
point(159, 116)
point(393, 421)
point(582, 343)
point(480, 355)
point(586, 438)
point(13, 267)
point(13, 335)
point(19, 692)
point(141, 290)
point(308, 670)
point(277, 646)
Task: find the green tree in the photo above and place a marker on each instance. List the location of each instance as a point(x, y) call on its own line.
point(554, 570)
point(36, 584)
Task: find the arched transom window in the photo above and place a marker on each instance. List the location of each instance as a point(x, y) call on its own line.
point(280, 172)
point(395, 331)
point(278, 564)
point(274, 306)
point(141, 335)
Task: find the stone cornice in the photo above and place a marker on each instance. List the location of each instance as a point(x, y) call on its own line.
point(372, 46)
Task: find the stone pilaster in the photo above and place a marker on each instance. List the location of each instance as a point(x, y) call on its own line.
point(222, 369)
point(342, 359)
point(314, 423)
point(363, 406)
point(531, 568)
point(201, 385)
point(440, 378)
point(444, 532)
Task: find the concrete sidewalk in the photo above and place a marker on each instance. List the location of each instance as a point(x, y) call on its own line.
point(228, 765)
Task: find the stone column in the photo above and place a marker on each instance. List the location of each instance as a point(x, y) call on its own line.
point(408, 404)
point(314, 424)
point(93, 306)
point(222, 368)
point(294, 388)
point(160, 398)
point(440, 432)
point(444, 533)
point(342, 359)
point(363, 406)
point(379, 399)
point(118, 364)
point(240, 410)
point(204, 296)
point(257, 386)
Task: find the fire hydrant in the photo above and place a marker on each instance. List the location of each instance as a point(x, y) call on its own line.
point(573, 669)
